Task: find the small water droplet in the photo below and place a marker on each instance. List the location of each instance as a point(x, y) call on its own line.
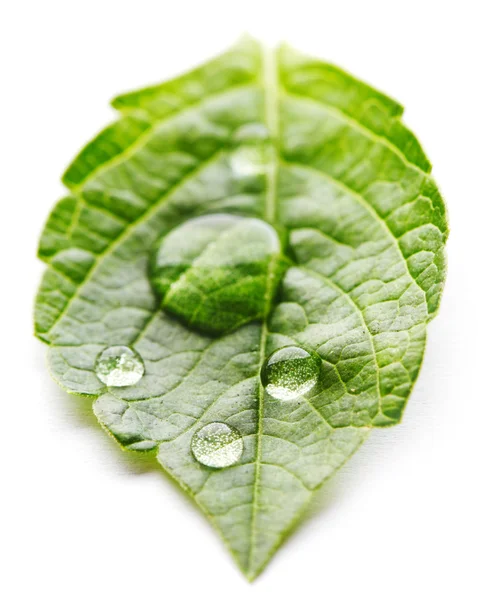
point(119, 366)
point(249, 161)
point(252, 155)
point(290, 372)
point(217, 445)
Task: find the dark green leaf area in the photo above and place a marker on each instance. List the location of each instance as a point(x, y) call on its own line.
point(218, 272)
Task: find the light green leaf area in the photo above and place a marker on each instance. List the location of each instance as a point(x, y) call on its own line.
point(326, 162)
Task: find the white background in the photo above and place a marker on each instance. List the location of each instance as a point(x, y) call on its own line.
point(81, 519)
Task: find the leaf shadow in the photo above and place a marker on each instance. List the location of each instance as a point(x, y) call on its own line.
point(322, 499)
point(79, 412)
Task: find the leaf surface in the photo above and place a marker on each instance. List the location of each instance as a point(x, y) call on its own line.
point(326, 161)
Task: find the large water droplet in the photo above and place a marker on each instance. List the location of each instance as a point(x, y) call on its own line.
point(217, 445)
point(119, 366)
point(290, 372)
point(218, 272)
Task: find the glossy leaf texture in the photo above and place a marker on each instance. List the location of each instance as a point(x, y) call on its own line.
point(326, 161)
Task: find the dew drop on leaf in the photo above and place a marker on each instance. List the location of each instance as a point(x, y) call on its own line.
point(119, 366)
point(217, 445)
point(290, 372)
point(253, 153)
point(218, 272)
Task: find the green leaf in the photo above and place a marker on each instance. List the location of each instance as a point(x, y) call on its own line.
point(326, 161)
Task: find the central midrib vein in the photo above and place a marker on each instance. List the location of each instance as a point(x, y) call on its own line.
point(269, 82)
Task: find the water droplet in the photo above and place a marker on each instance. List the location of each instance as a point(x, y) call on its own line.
point(217, 445)
point(290, 372)
point(249, 161)
point(218, 272)
point(252, 155)
point(119, 366)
